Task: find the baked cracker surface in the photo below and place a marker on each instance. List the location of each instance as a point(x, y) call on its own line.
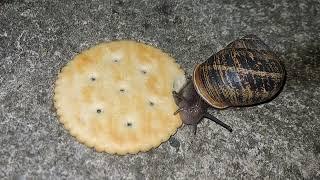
point(117, 97)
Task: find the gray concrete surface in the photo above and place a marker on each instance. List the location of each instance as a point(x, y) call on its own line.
point(276, 140)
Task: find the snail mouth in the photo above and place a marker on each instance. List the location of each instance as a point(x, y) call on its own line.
point(202, 86)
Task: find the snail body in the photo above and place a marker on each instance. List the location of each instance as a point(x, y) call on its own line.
point(245, 73)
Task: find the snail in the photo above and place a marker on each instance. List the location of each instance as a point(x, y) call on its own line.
point(245, 73)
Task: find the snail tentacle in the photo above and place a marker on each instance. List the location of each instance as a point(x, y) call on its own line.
point(195, 127)
point(214, 119)
point(177, 97)
point(178, 110)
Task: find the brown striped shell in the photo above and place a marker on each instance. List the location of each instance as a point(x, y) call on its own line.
point(245, 73)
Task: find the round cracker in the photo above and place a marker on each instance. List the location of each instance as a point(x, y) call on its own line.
point(117, 97)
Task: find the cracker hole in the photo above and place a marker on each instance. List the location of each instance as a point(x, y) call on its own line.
point(92, 78)
point(129, 124)
point(116, 60)
point(143, 71)
point(122, 90)
point(99, 111)
point(151, 103)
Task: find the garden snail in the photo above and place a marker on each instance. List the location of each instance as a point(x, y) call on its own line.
point(244, 73)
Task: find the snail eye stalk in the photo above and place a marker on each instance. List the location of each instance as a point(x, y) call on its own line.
point(214, 119)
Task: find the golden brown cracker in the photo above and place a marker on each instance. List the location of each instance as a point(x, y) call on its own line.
point(117, 97)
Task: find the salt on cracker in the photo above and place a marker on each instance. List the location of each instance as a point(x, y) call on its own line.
point(117, 97)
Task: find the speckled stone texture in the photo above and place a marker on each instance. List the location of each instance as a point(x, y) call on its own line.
point(276, 140)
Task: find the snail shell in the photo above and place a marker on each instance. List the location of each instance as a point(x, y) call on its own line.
point(249, 42)
point(245, 73)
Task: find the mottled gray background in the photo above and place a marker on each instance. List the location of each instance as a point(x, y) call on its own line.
point(276, 140)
